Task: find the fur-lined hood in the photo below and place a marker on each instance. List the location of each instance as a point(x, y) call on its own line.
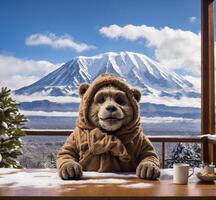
point(88, 91)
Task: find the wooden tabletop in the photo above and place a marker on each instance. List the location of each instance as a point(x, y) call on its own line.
point(45, 184)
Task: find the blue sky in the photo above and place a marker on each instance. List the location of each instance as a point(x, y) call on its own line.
point(82, 19)
point(38, 35)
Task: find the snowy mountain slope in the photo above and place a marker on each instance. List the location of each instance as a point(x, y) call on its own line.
point(137, 69)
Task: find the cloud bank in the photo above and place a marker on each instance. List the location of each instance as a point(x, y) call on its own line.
point(57, 42)
point(16, 72)
point(175, 48)
point(49, 114)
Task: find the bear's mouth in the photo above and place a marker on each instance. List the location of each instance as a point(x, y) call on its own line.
point(111, 119)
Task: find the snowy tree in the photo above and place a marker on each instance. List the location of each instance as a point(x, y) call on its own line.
point(185, 153)
point(11, 124)
point(51, 161)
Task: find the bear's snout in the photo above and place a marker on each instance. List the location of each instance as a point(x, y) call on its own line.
point(111, 108)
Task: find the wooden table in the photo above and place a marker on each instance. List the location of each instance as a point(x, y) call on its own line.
point(45, 184)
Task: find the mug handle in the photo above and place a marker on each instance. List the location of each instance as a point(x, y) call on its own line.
point(192, 168)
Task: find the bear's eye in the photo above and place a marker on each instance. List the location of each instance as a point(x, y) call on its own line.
point(119, 100)
point(100, 99)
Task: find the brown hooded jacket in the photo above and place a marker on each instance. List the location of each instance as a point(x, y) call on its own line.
point(96, 150)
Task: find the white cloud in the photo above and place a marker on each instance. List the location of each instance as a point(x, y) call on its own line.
point(192, 19)
point(54, 41)
point(196, 81)
point(174, 48)
point(16, 72)
point(156, 120)
point(49, 114)
point(56, 99)
point(170, 101)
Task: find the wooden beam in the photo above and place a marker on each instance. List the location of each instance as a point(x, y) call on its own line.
point(207, 76)
point(207, 68)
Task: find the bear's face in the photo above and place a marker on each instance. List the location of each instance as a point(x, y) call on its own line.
point(110, 109)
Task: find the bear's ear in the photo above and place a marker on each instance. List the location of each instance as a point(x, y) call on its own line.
point(136, 93)
point(83, 88)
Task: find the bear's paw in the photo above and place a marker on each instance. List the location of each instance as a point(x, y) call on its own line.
point(70, 170)
point(148, 170)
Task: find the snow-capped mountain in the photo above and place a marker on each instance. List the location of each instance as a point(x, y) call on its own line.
point(137, 69)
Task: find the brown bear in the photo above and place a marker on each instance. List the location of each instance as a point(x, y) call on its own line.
point(108, 136)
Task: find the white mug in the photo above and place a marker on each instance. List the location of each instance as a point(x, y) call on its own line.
point(181, 173)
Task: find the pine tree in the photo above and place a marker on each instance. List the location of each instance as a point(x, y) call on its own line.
point(11, 124)
point(51, 162)
point(185, 153)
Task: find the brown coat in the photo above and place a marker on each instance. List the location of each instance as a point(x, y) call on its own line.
point(96, 150)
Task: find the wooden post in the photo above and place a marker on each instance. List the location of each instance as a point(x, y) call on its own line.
point(163, 155)
point(207, 71)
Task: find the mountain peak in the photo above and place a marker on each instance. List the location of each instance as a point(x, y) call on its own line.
point(137, 69)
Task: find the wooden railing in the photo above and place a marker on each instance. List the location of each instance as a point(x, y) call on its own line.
point(205, 142)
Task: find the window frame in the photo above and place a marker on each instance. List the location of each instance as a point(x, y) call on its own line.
point(207, 76)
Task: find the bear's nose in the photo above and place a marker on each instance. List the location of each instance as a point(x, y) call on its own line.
point(111, 108)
